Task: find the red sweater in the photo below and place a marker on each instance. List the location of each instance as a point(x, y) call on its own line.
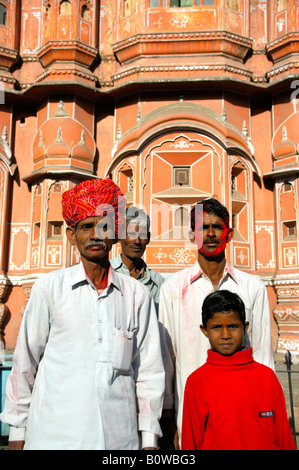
point(235, 403)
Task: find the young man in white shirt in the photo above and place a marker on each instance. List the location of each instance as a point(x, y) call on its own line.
point(183, 293)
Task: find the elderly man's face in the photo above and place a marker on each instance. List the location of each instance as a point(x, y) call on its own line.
point(93, 236)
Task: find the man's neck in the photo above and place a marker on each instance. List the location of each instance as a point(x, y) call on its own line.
point(213, 267)
point(134, 265)
point(97, 272)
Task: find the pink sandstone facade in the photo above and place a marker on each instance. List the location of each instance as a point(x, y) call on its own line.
point(175, 100)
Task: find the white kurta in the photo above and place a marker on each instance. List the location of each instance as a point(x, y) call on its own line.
point(181, 299)
point(87, 370)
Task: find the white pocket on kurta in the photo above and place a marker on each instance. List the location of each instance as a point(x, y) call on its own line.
point(122, 350)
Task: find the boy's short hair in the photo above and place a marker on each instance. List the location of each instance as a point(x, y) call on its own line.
point(222, 301)
point(211, 206)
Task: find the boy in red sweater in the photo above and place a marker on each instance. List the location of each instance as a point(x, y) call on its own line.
point(232, 402)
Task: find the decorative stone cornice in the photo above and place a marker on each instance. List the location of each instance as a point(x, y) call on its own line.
point(284, 50)
point(8, 57)
point(283, 69)
point(166, 69)
point(181, 43)
point(294, 35)
point(63, 73)
point(211, 35)
point(67, 51)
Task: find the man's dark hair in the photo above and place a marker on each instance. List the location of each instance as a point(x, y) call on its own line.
point(211, 206)
point(222, 301)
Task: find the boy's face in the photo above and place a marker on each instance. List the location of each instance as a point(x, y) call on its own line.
point(225, 332)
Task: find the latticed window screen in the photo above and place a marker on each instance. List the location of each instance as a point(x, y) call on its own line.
point(131, 183)
point(292, 229)
point(287, 187)
point(181, 176)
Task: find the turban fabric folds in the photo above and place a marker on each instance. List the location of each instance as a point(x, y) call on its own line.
point(94, 198)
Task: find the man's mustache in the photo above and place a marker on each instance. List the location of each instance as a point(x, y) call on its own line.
point(99, 243)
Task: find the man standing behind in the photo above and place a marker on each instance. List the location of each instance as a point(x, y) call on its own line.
point(183, 293)
point(133, 246)
point(88, 372)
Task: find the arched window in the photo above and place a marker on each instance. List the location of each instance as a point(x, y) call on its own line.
point(234, 5)
point(48, 12)
point(3, 15)
point(129, 7)
point(85, 13)
point(281, 5)
point(65, 8)
point(126, 181)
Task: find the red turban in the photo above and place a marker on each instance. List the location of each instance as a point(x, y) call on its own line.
point(93, 198)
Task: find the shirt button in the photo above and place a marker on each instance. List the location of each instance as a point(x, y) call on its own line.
point(100, 340)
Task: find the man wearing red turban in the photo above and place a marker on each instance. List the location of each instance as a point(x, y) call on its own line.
point(93, 198)
point(88, 371)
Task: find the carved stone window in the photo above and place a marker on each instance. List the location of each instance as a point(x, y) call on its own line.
point(57, 188)
point(239, 193)
point(65, 8)
point(36, 232)
point(234, 5)
point(129, 7)
point(3, 15)
point(48, 12)
point(85, 13)
point(281, 5)
point(126, 182)
point(55, 230)
point(289, 231)
point(287, 187)
point(181, 176)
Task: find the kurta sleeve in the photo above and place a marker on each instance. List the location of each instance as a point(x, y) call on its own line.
point(30, 346)
point(167, 342)
point(195, 415)
point(261, 341)
point(148, 370)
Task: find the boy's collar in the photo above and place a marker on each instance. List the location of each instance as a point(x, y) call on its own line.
point(238, 358)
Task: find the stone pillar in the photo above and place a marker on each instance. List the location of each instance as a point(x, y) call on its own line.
point(286, 313)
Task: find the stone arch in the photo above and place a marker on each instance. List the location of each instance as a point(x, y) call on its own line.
point(184, 116)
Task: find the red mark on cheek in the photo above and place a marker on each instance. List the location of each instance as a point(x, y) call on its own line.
point(224, 238)
point(220, 241)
